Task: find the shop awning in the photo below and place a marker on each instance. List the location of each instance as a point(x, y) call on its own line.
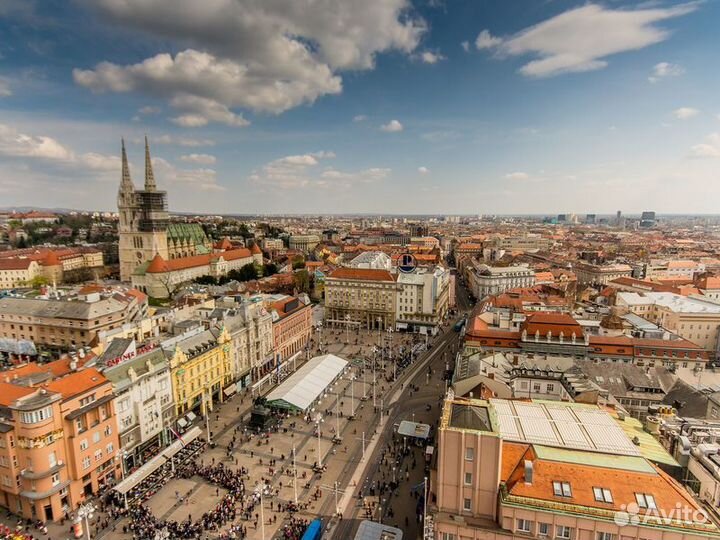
point(230, 390)
point(191, 416)
point(414, 429)
point(155, 463)
point(304, 386)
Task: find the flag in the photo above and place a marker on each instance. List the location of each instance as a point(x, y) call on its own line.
point(177, 436)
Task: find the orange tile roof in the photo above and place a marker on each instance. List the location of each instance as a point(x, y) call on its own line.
point(362, 274)
point(555, 323)
point(623, 484)
point(15, 264)
point(77, 383)
point(10, 392)
point(159, 265)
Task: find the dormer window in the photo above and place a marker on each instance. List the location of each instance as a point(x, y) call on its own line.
point(602, 495)
point(645, 500)
point(562, 489)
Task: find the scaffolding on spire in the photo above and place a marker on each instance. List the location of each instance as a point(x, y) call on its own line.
point(149, 176)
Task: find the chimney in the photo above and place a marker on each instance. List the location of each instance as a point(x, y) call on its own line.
point(528, 472)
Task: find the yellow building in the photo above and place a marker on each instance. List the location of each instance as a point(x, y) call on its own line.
point(200, 369)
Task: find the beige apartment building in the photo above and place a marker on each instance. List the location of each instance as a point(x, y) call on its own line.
point(20, 266)
point(594, 274)
point(361, 295)
point(58, 440)
point(63, 323)
point(694, 318)
point(511, 469)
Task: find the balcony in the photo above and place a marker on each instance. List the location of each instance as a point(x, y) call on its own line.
point(31, 474)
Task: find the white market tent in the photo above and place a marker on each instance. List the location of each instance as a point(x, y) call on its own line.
point(308, 383)
point(156, 462)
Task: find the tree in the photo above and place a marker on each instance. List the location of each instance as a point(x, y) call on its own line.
point(206, 280)
point(298, 262)
point(302, 281)
point(38, 281)
point(22, 243)
point(270, 269)
point(245, 273)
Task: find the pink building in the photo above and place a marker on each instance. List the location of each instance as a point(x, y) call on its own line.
point(58, 440)
point(552, 470)
point(292, 326)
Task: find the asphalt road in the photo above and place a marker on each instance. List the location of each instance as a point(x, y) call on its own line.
point(409, 404)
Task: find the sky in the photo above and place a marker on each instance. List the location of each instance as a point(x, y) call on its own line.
point(372, 106)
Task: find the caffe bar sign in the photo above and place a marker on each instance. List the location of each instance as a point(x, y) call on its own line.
point(129, 354)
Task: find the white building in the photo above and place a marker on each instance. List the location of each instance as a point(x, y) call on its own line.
point(376, 260)
point(422, 300)
point(250, 326)
point(144, 405)
point(487, 280)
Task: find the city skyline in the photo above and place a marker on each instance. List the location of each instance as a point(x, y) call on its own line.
point(425, 107)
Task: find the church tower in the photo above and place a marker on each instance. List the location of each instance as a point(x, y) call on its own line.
point(143, 219)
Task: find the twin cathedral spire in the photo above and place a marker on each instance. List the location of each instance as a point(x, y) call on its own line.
point(126, 183)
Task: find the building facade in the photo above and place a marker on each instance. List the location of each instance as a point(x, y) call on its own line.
point(200, 370)
point(364, 296)
point(292, 326)
point(58, 442)
point(423, 300)
point(485, 280)
point(494, 480)
point(144, 227)
point(63, 323)
point(143, 400)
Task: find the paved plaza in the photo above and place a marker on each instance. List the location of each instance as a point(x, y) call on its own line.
point(350, 423)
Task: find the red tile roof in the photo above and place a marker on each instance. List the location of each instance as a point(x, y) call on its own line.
point(77, 383)
point(159, 265)
point(555, 323)
point(10, 392)
point(361, 274)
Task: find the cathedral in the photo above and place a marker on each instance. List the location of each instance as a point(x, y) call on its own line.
point(144, 228)
point(157, 255)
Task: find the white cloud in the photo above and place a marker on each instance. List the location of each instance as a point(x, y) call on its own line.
point(665, 69)
point(262, 56)
point(15, 144)
point(517, 176)
point(486, 40)
point(709, 149)
point(683, 113)
point(302, 171)
point(431, 57)
point(178, 141)
point(423, 170)
point(149, 110)
point(201, 159)
point(40, 147)
point(359, 118)
point(201, 179)
point(466, 46)
point(580, 39)
point(200, 111)
point(393, 126)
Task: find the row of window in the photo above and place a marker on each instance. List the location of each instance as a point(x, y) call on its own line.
point(562, 532)
point(39, 415)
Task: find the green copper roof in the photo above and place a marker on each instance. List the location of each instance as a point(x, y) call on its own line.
point(650, 447)
point(186, 231)
point(594, 459)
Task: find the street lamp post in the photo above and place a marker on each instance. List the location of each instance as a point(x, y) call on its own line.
point(352, 395)
point(318, 421)
point(347, 329)
point(121, 456)
point(85, 512)
point(295, 475)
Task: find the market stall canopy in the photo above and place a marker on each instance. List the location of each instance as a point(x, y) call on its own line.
point(304, 386)
point(413, 429)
